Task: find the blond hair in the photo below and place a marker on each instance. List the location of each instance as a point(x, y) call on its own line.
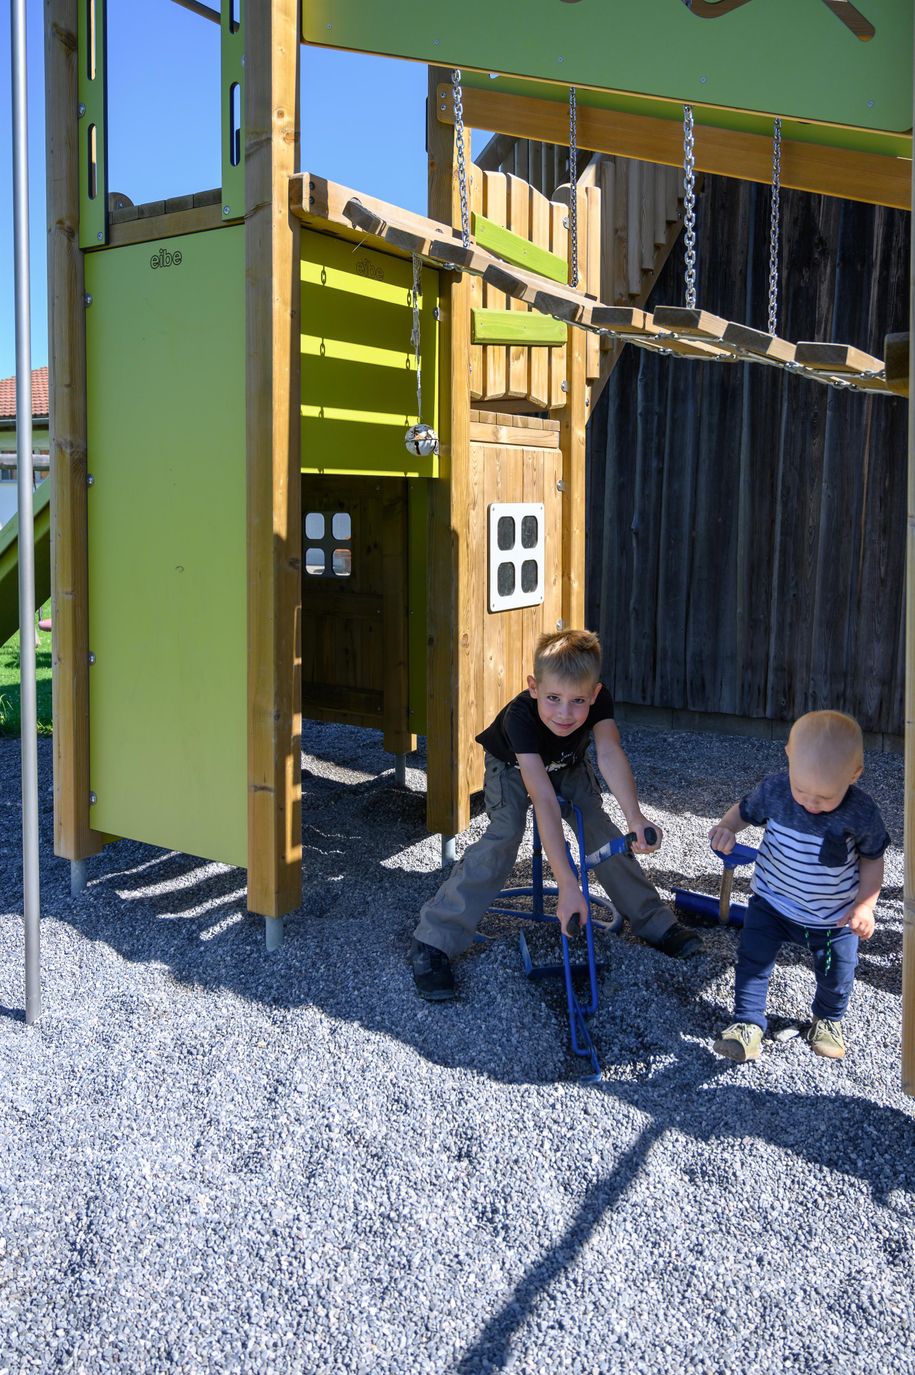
point(572, 655)
point(833, 739)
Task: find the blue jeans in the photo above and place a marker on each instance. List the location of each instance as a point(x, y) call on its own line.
point(835, 955)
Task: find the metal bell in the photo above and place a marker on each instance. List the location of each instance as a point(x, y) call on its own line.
point(421, 440)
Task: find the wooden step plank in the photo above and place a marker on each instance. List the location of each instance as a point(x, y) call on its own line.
point(524, 329)
point(513, 248)
point(836, 359)
point(512, 435)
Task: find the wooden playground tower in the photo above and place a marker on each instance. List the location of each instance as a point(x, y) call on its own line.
point(255, 348)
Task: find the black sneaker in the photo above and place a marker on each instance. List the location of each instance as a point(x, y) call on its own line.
point(679, 942)
point(431, 972)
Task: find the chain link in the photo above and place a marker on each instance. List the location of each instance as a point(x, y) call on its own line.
point(774, 218)
point(462, 165)
point(573, 186)
point(689, 204)
point(415, 335)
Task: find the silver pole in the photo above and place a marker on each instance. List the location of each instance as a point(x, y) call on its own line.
point(28, 711)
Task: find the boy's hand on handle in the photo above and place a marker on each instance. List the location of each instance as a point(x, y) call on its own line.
point(861, 920)
point(723, 839)
point(648, 836)
point(570, 908)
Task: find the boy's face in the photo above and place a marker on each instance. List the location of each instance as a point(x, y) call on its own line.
point(562, 706)
point(817, 787)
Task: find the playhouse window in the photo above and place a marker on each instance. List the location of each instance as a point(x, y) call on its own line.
point(515, 555)
point(328, 537)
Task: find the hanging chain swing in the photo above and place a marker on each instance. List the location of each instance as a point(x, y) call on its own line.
point(774, 218)
point(420, 439)
point(462, 165)
point(689, 204)
point(573, 187)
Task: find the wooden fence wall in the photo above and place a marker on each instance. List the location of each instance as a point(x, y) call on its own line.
point(746, 535)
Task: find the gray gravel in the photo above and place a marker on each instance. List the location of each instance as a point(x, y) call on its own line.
point(216, 1160)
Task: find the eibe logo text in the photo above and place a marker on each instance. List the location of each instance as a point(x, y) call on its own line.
point(165, 259)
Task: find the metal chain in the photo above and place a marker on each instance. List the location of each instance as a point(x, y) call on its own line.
point(573, 186)
point(415, 335)
point(774, 224)
point(462, 166)
point(689, 204)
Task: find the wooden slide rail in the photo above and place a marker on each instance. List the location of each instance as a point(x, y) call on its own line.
point(669, 330)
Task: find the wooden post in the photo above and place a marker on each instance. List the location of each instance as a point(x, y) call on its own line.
point(908, 932)
point(74, 837)
point(448, 711)
point(273, 428)
point(572, 421)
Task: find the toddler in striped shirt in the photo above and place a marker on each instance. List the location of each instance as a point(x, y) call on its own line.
point(816, 882)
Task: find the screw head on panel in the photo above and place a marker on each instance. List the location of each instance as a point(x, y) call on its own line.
point(80, 110)
point(560, 625)
point(87, 299)
point(100, 236)
point(92, 799)
point(90, 480)
point(560, 485)
point(227, 209)
point(565, 386)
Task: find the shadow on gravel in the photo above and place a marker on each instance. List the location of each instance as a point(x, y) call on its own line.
point(869, 1142)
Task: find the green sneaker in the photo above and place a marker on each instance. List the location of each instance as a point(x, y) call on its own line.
point(742, 1041)
point(826, 1038)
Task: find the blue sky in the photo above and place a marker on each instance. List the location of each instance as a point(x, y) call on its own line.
point(363, 124)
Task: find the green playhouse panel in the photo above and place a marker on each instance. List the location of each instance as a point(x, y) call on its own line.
point(358, 359)
point(167, 543)
point(791, 57)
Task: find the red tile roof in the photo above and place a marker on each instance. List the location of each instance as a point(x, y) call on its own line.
point(39, 395)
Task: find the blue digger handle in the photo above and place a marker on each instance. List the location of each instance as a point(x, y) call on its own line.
point(621, 846)
point(741, 854)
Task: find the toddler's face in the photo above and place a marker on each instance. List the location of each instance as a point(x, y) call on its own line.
point(816, 788)
point(562, 706)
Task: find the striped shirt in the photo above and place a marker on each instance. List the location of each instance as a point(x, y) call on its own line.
point(808, 864)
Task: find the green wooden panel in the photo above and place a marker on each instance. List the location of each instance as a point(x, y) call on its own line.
point(232, 74)
point(780, 56)
point(167, 542)
point(9, 561)
point(91, 37)
point(516, 327)
point(358, 363)
point(496, 239)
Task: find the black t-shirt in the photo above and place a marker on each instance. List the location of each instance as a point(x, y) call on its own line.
point(518, 729)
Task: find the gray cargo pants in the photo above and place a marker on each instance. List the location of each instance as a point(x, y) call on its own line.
point(449, 919)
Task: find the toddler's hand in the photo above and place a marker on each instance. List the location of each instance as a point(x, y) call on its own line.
point(720, 838)
point(862, 923)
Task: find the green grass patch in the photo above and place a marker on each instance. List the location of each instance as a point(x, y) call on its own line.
point(10, 719)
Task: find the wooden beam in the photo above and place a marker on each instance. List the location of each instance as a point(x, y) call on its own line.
point(450, 747)
point(74, 837)
point(868, 177)
point(273, 429)
point(896, 353)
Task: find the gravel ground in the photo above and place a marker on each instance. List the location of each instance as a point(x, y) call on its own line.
point(216, 1160)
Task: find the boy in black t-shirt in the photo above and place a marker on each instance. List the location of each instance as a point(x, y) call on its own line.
point(535, 749)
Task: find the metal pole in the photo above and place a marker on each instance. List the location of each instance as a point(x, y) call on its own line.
point(908, 929)
point(28, 712)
